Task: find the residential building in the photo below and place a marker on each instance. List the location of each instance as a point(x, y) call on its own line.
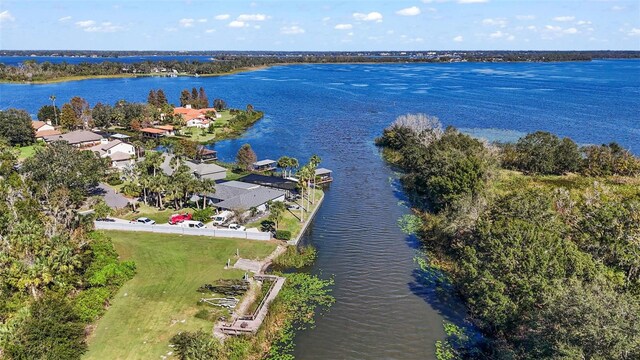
point(199, 123)
point(78, 138)
point(170, 130)
point(289, 186)
point(242, 196)
point(153, 133)
point(199, 170)
point(44, 129)
point(120, 153)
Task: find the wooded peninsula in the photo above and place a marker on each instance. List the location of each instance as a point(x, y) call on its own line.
point(229, 62)
point(538, 239)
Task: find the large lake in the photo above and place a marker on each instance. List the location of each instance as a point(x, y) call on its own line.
point(383, 310)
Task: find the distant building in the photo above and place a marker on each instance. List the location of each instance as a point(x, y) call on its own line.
point(187, 113)
point(199, 123)
point(153, 133)
point(78, 138)
point(170, 130)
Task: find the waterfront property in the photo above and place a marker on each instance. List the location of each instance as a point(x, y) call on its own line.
point(241, 196)
point(78, 138)
point(323, 176)
point(264, 165)
point(200, 170)
point(290, 187)
point(153, 133)
point(161, 300)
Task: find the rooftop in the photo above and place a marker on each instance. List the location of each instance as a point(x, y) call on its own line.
point(75, 137)
point(153, 131)
point(238, 195)
point(264, 162)
point(323, 171)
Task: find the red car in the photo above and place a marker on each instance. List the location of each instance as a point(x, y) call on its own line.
point(178, 218)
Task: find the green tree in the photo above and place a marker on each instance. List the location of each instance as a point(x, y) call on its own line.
point(219, 104)
point(161, 98)
point(152, 99)
point(185, 98)
point(567, 157)
point(276, 211)
point(16, 128)
point(52, 331)
point(102, 115)
point(56, 110)
point(246, 157)
point(196, 346)
point(203, 101)
point(68, 118)
point(48, 113)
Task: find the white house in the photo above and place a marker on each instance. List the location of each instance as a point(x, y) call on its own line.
point(199, 123)
point(44, 129)
point(120, 153)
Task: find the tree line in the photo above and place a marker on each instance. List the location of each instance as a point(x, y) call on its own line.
point(547, 266)
point(56, 274)
point(30, 70)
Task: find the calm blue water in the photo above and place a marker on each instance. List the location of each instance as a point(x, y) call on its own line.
point(383, 308)
point(15, 60)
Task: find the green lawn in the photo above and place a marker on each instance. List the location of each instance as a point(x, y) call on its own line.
point(28, 151)
point(291, 219)
point(161, 299)
point(195, 134)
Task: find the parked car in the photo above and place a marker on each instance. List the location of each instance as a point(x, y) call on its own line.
point(178, 218)
point(237, 227)
point(293, 207)
point(144, 220)
point(192, 224)
point(222, 217)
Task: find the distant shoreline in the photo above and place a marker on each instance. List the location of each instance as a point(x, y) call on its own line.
point(126, 75)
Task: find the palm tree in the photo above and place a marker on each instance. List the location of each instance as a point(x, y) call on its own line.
point(55, 113)
point(293, 164)
point(284, 163)
point(206, 186)
point(304, 175)
point(314, 162)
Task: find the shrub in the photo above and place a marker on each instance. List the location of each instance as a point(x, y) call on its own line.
point(114, 179)
point(196, 345)
point(90, 304)
point(113, 274)
point(203, 215)
point(283, 235)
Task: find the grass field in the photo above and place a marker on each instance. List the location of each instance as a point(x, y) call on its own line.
point(161, 299)
point(28, 151)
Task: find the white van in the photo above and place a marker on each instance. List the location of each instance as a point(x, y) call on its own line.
point(222, 217)
point(192, 224)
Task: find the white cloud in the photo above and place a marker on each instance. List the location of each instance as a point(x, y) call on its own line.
point(6, 16)
point(583, 22)
point(501, 22)
point(257, 27)
point(564, 18)
point(291, 30)
point(372, 16)
point(617, 8)
point(105, 27)
point(634, 32)
point(202, 20)
point(410, 11)
point(343, 27)
point(252, 17)
point(209, 31)
point(511, 37)
point(63, 19)
point(186, 22)
point(237, 24)
point(325, 19)
point(472, 1)
point(222, 17)
point(458, 38)
point(497, 35)
point(525, 17)
point(532, 27)
point(85, 23)
point(571, 31)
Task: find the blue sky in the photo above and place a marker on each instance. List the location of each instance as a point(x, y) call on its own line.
point(320, 25)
